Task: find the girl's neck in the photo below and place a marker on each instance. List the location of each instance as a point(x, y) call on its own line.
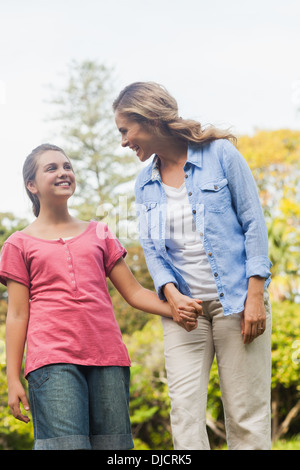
point(52, 225)
point(54, 216)
point(53, 222)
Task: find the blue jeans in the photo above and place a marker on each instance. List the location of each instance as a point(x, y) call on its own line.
point(80, 407)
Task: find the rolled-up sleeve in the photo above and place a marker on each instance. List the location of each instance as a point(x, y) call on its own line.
point(258, 266)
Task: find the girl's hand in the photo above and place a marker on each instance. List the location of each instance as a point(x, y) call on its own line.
point(16, 394)
point(185, 310)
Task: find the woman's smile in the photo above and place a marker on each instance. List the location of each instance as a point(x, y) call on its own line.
point(135, 136)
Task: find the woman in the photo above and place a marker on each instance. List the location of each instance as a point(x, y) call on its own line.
point(204, 235)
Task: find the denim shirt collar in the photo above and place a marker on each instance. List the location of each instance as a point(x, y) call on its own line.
point(194, 157)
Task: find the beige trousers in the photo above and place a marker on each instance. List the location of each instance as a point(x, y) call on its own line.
point(244, 374)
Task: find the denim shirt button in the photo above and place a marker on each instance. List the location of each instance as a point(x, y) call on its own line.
point(190, 193)
point(216, 274)
point(194, 212)
point(210, 253)
point(186, 176)
point(222, 294)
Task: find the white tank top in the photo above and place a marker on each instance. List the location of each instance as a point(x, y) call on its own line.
point(185, 247)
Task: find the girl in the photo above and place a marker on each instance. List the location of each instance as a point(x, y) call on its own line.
point(55, 270)
point(204, 235)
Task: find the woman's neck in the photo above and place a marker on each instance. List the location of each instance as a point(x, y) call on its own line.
point(172, 160)
point(172, 152)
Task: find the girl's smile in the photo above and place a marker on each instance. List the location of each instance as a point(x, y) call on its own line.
point(54, 170)
point(65, 184)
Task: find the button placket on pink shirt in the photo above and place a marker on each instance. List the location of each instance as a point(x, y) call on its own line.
point(70, 265)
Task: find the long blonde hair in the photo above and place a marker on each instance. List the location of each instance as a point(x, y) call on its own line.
point(150, 103)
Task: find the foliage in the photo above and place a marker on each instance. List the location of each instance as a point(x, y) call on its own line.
point(149, 401)
point(291, 444)
point(274, 158)
point(286, 345)
point(285, 368)
point(14, 435)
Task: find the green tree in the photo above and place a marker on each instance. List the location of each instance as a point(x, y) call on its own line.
point(83, 110)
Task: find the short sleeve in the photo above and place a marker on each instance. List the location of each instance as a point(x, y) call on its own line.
point(13, 265)
point(113, 250)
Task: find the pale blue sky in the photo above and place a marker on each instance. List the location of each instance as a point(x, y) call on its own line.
point(233, 63)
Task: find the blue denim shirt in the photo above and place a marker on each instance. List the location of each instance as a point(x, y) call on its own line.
point(228, 217)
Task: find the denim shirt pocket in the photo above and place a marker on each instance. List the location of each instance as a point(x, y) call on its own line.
point(216, 195)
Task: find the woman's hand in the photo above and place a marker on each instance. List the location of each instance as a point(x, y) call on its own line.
point(16, 394)
point(185, 310)
point(253, 318)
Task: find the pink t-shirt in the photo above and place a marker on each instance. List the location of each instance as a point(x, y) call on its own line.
point(71, 314)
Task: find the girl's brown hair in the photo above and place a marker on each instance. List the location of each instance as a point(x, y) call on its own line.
point(151, 103)
point(30, 168)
